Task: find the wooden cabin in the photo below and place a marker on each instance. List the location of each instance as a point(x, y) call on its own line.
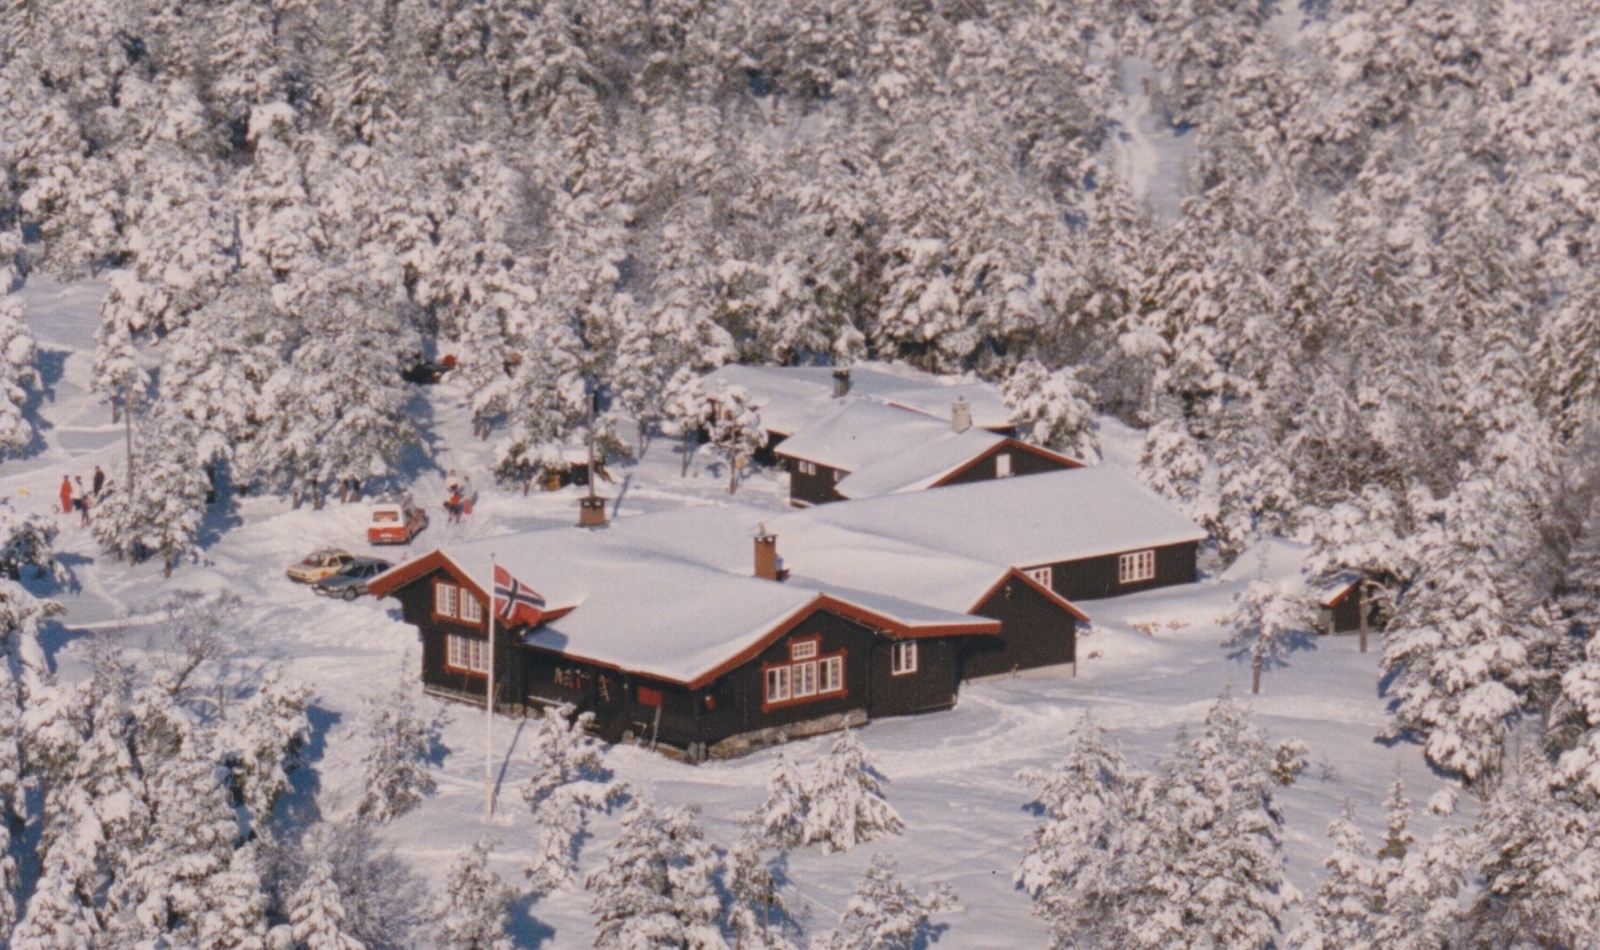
point(1083, 533)
point(1339, 605)
point(695, 661)
point(866, 449)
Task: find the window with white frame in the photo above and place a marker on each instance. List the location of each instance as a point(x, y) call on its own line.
point(809, 676)
point(1044, 575)
point(467, 653)
point(1002, 465)
point(837, 474)
point(1136, 566)
point(777, 684)
point(803, 677)
point(807, 468)
point(830, 675)
point(444, 599)
point(903, 659)
point(471, 607)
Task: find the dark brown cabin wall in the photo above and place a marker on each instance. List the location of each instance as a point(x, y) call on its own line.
point(1096, 577)
point(416, 607)
point(1034, 631)
point(813, 489)
point(931, 688)
point(1023, 462)
point(739, 695)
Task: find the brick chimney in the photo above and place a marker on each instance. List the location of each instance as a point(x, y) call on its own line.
point(960, 416)
point(766, 555)
point(841, 383)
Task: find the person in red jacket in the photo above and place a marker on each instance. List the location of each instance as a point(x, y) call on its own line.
point(66, 495)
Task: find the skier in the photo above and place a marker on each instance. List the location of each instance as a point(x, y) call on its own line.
point(452, 483)
point(66, 494)
point(99, 483)
point(468, 496)
point(454, 504)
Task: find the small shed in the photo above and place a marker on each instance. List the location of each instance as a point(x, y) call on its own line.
point(1339, 603)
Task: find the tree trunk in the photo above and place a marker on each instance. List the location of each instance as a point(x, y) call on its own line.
point(296, 499)
point(316, 496)
point(1361, 609)
point(1255, 677)
point(687, 448)
point(733, 472)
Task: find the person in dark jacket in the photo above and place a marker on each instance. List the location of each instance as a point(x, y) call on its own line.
point(99, 482)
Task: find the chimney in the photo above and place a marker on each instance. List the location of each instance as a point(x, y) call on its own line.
point(766, 555)
point(960, 416)
point(841, 383)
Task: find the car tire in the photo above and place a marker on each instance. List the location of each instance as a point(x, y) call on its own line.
point(350, 593)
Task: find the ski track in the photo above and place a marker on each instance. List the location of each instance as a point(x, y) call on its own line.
point(1151, 663)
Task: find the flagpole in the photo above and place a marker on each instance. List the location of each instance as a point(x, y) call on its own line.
point(488, 705)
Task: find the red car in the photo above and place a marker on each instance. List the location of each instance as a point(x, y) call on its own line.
point(395, 522)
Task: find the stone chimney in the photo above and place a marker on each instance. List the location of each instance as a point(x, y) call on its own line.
point(960, 416)
point(766, 555)
point(841, 383)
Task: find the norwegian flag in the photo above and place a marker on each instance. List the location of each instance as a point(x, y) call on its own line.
point(514, 601)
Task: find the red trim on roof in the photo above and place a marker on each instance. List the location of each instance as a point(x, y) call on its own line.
point(1010, 445)
point(1060, 601)
point(412, 571)
point(1337, 597)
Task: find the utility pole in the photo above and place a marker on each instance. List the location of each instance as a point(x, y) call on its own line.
point(488, 702)
point(127, 435)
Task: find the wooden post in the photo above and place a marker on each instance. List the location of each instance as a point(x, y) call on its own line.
point(488, 704)
point(1255, 677)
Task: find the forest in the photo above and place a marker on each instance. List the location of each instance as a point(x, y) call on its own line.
point(1373, 323)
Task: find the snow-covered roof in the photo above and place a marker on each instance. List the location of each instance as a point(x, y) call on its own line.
point(860, 433)
point(1019, 522)
point(818, 554)
point(918, 466)
point(625, 604)
point(791, 397)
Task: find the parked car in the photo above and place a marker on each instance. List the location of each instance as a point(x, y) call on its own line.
point(320, 563)
point(351, 582)
point(428, 372)
point(395, 521)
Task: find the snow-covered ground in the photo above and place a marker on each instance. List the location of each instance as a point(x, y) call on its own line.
point(1152, 663)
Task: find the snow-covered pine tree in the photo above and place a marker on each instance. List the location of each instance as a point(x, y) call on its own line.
point(1342, 915)
point(260, 744)
point(757, 917)
point(569, 783)
point(160, 513)
point(1056, 408)
point(845, 804)
point(689, 408)
point(18, 353)
point(885, 914)
point(1084, 862)
point(399, 741)
point(315, 914)
point(1456, 651)
point(1218, 860)
point(1419, 883)
point(1535, 853)
point(472, 912)
point(780, 821)
point(1578, 769)
point(12, 806)
point(736, 430)
point(657, 887)
point(1266, 616)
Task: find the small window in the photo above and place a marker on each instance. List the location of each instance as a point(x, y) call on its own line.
point(904, 658)
point(837, 475)
point(1137, 566)
point(444, 600)
point(777, 684)
point(802, 649)
point(808, 468)
point(471, 608)
point(830, 675)
point(467, 653)
point(1044, 575)
point(1002, 465)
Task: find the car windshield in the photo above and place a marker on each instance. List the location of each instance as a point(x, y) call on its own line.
point(386, 517)
point(316, 560)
